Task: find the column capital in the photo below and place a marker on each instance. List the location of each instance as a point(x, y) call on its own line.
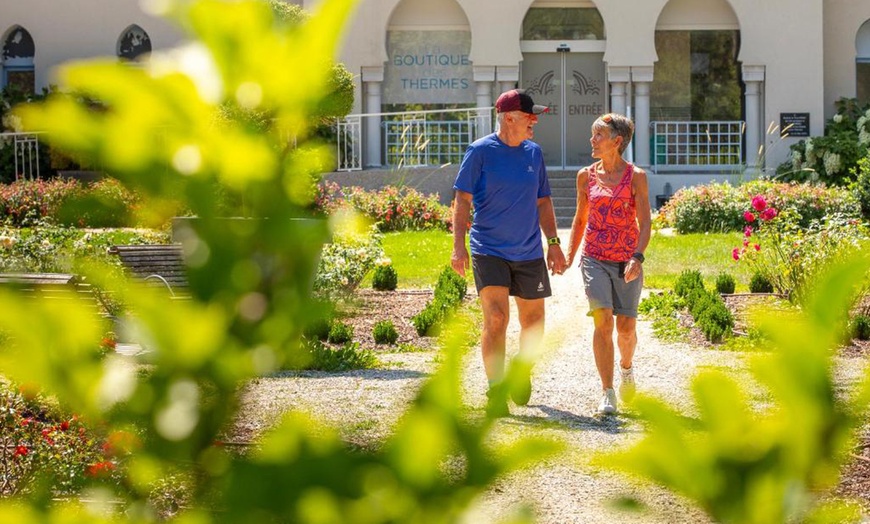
point(753, 73)
point(642, 73)
point(372, 73)
point(484, 73)
point(508, 73)
point(618, 74)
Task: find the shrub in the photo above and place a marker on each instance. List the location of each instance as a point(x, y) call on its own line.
point(449, 292)
point(385, 332)
point(348, 356)
point(698, 301)
point(663, 308)
point(688, 281)
point(715, 321)
point(385, 277)
point(345, 261)
point(860, 327)
point(861, 188)
point(720, 207)
point(759, 283)
point(340, 332)
point(319, 329)
point(399, 208)
point(725, 283)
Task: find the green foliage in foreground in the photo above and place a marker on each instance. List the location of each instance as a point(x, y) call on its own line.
point(748, 464)
point(250, 286)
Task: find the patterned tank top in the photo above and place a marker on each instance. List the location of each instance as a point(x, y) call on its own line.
point(611, 231)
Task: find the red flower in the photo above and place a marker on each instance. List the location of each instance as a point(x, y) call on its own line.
point(20, 451)
point(757, 247)
point(64, 425)
point(735, 253)
point(768, 214)
point(99, 469)
point(759, 203)
point(747, 231)
point(748, 216)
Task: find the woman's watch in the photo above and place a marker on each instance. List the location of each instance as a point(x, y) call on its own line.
point(639, 256)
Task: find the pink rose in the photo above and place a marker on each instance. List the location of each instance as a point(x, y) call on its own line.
point(768, 214)
point(747, 231)
point(757, 247)
point(759, 203)
point(748, 216)
point(735, 253)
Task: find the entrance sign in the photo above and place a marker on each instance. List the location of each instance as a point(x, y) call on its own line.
point(428, 67)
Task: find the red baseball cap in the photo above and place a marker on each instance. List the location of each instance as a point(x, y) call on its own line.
point(518, 100)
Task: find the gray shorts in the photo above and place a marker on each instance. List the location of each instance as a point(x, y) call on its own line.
point(527, 279)
point(606, 287)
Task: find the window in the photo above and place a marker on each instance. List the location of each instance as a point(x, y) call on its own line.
point(697, 76)
point(134, 43)
point(18, 53)
point(563, 24)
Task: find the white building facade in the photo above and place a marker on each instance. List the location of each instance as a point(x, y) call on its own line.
point(711, 84)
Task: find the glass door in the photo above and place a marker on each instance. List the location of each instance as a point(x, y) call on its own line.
point(573, 86)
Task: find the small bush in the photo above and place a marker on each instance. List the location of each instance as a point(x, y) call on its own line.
point(385, 278)
point(339, 333)
point(860, 327)
point(425, 321)
point(725, 283)
point(385, 332)
point(688, 281)
point(759, 283)
point(319, 329)
point(716, 322)
point(449, 292)
point(347, 357)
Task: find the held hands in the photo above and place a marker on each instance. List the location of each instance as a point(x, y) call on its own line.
point(556, 262)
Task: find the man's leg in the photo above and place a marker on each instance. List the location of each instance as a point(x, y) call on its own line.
point(496, 313)
point(531, 313)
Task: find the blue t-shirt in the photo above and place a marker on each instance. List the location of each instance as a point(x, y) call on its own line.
point(505, 183)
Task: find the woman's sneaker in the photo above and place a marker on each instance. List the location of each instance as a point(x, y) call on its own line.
point(496, 402)
point(608, 402)
point(626, 386)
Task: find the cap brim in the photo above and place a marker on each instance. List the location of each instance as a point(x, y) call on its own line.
point(537, 110)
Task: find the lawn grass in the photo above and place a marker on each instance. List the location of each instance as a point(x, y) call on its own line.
point(419, 256)
point(710, 253)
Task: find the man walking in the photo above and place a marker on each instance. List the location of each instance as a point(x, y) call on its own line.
point(503, 177)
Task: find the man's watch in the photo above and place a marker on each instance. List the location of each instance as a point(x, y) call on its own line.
point(639, 256)
point(553, 241)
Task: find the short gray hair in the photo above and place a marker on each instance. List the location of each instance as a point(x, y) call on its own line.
point(619, 125)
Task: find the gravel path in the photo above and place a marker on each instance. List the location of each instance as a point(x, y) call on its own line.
point(364, 405)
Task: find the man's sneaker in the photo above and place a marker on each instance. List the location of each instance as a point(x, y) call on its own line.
point(496, 402)
point(520, 382)
point(608, 402)
point(626, 386)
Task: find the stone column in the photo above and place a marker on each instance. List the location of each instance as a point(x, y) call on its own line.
point(372, 78)
point(753, 76)
point(619, 77)
point(508, 76)
point(484, 78)
point(641, 78)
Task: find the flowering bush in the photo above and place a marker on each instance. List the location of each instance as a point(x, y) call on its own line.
point(721, 207)
point(789, 255)
point(392, 208)
point(832, 158)
point(105, 203)
point(345, 261)
point(41, 443)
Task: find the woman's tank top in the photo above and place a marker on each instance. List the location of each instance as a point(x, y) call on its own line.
point(612, 230)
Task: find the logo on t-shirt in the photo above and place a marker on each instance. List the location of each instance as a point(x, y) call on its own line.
point(530, 170)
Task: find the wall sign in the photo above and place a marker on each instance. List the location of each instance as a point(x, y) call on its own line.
point(794, 124)
point(428, 67)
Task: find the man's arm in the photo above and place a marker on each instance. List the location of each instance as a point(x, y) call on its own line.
point(459, 260)
point(547, 217)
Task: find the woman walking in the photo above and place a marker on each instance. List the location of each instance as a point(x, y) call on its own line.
point(611, 228)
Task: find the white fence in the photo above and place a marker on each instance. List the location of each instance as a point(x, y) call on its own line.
point(410, 139)
point(25, 148)
point(697, 145)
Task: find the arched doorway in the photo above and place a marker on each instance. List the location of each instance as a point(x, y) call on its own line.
point(862, 63)
point(563, 68)
point(133, 44)
point(18, 64)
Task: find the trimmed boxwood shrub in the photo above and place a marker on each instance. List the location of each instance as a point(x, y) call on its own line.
point(449, 292)
point(860, 327)
point(688, 281)
point(339, 333)
point(385, 278)
point(725, 283)
point(385, 332)
point(759, 283)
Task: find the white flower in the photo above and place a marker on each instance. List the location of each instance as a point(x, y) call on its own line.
point(867, 113)
point(7, 241)
point(838, 118)
point(809, 152)
point(860, 123)
point(796, 158)
point(832, 163)
point(12, 122)
point(864, 137)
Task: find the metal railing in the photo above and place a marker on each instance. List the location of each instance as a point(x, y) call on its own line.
point(696, 145)
point(25, 148)
point(413, 138)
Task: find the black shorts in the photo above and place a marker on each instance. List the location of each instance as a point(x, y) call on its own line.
point(527, 279)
